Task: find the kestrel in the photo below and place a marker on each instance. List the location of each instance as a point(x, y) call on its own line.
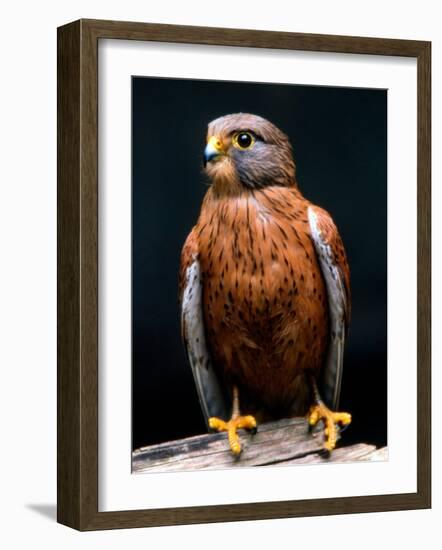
point(264, 288)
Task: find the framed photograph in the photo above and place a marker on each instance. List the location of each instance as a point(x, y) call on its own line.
point(243, 274)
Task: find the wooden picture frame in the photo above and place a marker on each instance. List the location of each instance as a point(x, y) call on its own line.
point(78, 274)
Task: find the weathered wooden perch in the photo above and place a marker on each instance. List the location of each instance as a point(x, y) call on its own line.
point(282, 442)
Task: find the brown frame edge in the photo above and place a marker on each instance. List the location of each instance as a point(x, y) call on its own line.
point(77, 227)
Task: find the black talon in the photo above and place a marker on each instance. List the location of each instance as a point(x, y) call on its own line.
point(324, 453)
point(237, 456)
point(343, 427)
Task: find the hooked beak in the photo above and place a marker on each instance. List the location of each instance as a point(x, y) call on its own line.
point(214, 150)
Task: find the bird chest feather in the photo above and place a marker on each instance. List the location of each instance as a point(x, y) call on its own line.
point(264, 299)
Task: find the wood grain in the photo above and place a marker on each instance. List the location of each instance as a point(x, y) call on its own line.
point(68, 276)
point(279, 443)
point(77, 226)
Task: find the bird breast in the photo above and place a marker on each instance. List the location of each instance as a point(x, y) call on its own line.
point(263, 294)
point(256, 252)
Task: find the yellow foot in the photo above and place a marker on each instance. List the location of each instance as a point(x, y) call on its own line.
point(320, 412)
point(231, 427)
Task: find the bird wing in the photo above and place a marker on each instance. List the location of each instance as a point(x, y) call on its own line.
point(332, 260)
point(212, 399)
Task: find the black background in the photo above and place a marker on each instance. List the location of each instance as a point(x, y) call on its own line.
point(339, 136)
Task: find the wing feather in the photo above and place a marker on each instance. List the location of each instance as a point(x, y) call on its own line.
point(332, 260)
point(212, 399)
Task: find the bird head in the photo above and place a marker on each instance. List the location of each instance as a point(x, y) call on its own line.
point(246, 151)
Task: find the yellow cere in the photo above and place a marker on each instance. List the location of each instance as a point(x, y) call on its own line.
point(216, 143)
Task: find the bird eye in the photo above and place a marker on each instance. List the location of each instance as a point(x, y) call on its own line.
point(243, 140)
